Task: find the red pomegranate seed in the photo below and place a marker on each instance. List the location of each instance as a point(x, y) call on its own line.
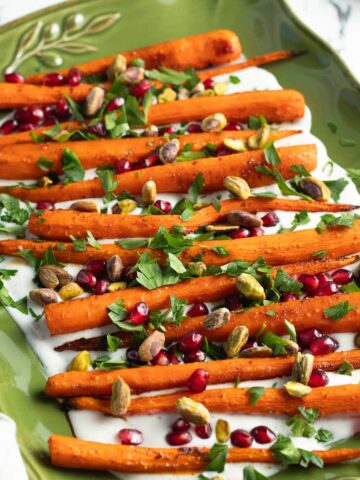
point(8, 127)
point(48, 122)
point(127, 275)
point(306, 337)
point(342, 276)
point(198, 381)
point(122, 166)
point(197, 309)
point(33, 114)
point(329, 288)
point(14, 77)
point(177, 439)
point(162, 358)
point(98, 129)
point(190, 342)
point(239, 233)
point(256, 232)
point(241, 438)
point(101, 286)
point(203, 431)
point(49, 111)
point(163, 205)
point(208, 83)
point(323, 278)
point(44, 206)
point(74, 77)
point(318, 378)
point(130, 436)
point(86, 279)
point(233, 127)
point(194, 356)
point(324, 345)
point(25, 127)
point(62, 110)
point(139, 314)
point(114, 104)
point(174, 356)
point(193, 128)
point(288, 297)
point(309, 282)
point(223, 152)
point(54, 80)
point(141, 88)
point(152, 160)
point(233, 303)
point(168, 130)
point(250, 343)
point(262, 434)
point(180, 425)
point(270, 219)
point(97, 267)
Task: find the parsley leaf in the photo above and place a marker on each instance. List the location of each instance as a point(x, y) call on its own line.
point(301, 218)
point(196, 187)
point(220, 250)
point(285, 451)
point(92, 241)
point(131, 243)
point(271, 155)
point(167, 75)
point(354, 174)
point(73, 170)
point(255, 393)
point(285, 283)
point(320, 254)
point(44, 164)
point(234, 79)
point(324, 435)
point(331, 221)
point(79, 244)
point(346, 368)
point(113, 342)
point(104, 362)
point(256, 122)
point(336, 187)
point(337, 312)
point(108, 182)
point(284, 188)
point(217, 458)
point(249, 473)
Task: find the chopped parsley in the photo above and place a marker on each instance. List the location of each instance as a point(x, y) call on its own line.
point(337, 312)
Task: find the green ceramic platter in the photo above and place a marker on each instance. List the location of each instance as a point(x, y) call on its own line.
point(81, 30)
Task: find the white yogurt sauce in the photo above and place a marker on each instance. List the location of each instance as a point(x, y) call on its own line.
point(97, 427)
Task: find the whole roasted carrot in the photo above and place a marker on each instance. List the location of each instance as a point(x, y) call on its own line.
point(71, 452)
point(19, 161)
point(198, 51)
point(178, 177)
point(60, 224)
point(26, 137)
point(150, 378)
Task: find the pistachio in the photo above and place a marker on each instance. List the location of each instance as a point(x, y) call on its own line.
point(214, 123)
point(222, 430)
point(44, 182)
point(237, 145)
point(199, 88)
point(236, 341)
point(168, 95)
point(250, 287)
point(193, 412)
point(256, 352)
point(291, 347)
point(118, 66)
point(94, 101)
point(151, 346)
point(71, 290)
point(132, 75)
point(120, 397)
point(315, 189)
point(216, 319)
point(238, 186)
point(198, 268)
point(44, 296)
point(151, 131)
point(357, 340)
point(220, 228)
point(169, 151)
point(115, 286)
point(296, 389)
point(81, 362)
point(84, 206)
point(220, 88)
point(200, 205)
point(302, 368)
point(125, 206)
point(114, 268)
point(183, 93)
point(148, 192)
point(243, 219)
point(52, 276)
point(260, 138)
point(206, 93)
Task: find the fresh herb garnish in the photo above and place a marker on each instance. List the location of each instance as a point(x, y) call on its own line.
point(113, 342)
point(284, 188)
point(255, 393)
point(320, 254)
point(109, 184)
point(167, 75)
point(220, 250)
point(234, 79)
point(337, 312)
point(104, 362)
point(79, 244)
point(132, 243)
point(336, 187)
point(217, 457)
point(256, 122)
point(249, 473)
point(175, 314)
point(331, 221)
point(286, 453)
point(44, 164)
point(73, 170)
point(346, 368)
point(301, 218)
point(196, 187)
point(92, 241)
point(271, 155)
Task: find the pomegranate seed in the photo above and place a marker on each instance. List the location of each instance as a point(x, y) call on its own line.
point(48, 122)
point(127, 275)
point(54, 80)
point(49, 111)
point(74, 77)
point(318, 378)
point(323, 278)
point(163, 205)
point(97, 267)
point(44, 206)
point(203, 431)
point(14, 77)
point(190, 342)
point(130, 436)
point(152, 160)
point(342, 276)
point(208, 83)
point(139, 314)
point(114, 104)
point(198, 381)
point(250, 343)
point(162, 358)
point(194, 356)
point(168, 130)
point(288, 297)
point(8, 127)
point(197, 309)
point(233, 303)
point(174, 356)
point(262, 434)
point(141, 88)
point(241, 438)
point(306, 337)
point(239, 233)
point(233, 127)
point(180, 425)
point(33, 114)
point(193, 128)
point(25, 127)
point(178, 438)
point(97, 129)
point(270, 219)
point(309, 282)
point(101, 286)
point(132, 356)
point(62, 109)
point(329, 288)
point(122, 166)
point(223, 152)
point(324, 345)
point(86, 279)
point(256, 232)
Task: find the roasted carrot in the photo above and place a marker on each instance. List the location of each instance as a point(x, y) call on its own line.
point(198, 51)
point(19, 161)
point(26, 137)
point(71, 452)
point(60, 224)
point(147, 379)
point(178, 176)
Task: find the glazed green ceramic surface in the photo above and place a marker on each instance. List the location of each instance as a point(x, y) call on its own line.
point(78, 31)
